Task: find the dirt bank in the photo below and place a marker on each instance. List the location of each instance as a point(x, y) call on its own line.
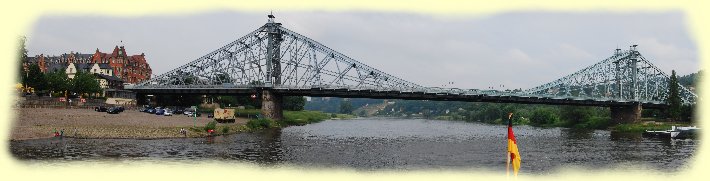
point(33, 123)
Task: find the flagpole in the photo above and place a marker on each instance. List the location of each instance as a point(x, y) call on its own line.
point(507, 154)
point(507, 164)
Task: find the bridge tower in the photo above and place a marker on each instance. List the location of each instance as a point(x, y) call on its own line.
point(271, 102)
point(627, 68)
point(626, 114)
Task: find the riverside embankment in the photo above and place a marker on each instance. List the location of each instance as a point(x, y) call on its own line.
point(36, 123)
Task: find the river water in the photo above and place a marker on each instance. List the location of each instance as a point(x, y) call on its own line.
point(386, 144)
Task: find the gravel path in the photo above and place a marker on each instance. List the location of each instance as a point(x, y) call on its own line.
point(33, 123)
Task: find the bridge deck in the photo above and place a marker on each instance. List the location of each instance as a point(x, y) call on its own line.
point(496, 97)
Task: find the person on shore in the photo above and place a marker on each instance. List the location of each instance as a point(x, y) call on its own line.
point(183, 131)
point(61, 133)
point(55, 132)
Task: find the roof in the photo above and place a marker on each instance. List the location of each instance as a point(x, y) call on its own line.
point(110, 78)
point(83, 66)
point(104, 66)
point(83, 56)
point(31, 60)
point(56, 66)
point(52, 59)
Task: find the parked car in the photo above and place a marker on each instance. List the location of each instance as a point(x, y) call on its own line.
point(179, 111)
point(150, 111)
point(120, 108)
point(100, 109)
point(144, 108)
point(159, 111)
point(113, 110)
point(210, 115)
point(192, 114)
point(168, 112)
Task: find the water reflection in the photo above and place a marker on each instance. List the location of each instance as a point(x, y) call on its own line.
point(621, 136)
point(373, 144)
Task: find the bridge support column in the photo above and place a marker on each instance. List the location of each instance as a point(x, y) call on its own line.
point(271, 105)
point(626, 114)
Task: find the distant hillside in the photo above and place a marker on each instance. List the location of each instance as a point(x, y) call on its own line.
point(690, 81)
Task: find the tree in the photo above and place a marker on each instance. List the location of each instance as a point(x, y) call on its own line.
point(687, 113)
point(346, 107)
point(85, 83)
point(35, 78)
point(673, 100)
point(22, 57)
point(23, 78)
point(57, 81)
point(362, 113)
point(544, 116)
point(293, 103)
point(574, 115)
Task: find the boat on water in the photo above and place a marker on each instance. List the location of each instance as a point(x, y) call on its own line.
point(676, 132)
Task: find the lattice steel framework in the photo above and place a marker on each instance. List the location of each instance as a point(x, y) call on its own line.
point(625, 76)
point(276, 57)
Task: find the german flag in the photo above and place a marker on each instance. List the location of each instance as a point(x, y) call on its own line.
point(513, 153)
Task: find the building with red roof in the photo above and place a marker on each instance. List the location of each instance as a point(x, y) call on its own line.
point(130, 68)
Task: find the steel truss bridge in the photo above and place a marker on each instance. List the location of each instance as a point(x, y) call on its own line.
point(287, 63)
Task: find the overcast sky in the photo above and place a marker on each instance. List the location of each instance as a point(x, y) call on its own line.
point(516, 49)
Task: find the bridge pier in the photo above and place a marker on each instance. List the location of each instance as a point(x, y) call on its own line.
point(271, 105)
point(626, 114)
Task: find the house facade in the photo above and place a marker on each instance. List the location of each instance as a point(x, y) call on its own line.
point(130, 68)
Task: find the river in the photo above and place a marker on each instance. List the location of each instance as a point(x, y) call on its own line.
point(385, 144)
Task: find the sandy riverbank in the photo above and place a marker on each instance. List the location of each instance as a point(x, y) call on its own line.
point(34, 123)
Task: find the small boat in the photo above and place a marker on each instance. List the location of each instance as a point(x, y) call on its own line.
point(676, 132)
point(681, 132)
point(659, 134)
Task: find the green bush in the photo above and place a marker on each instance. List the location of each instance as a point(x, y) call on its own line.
point(211, 125)
point(225, 129)
point(261, 123)
point(543, 117)
point(304, 117)
point(597, 123)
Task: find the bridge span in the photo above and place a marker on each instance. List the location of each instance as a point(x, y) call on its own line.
point(273, 62)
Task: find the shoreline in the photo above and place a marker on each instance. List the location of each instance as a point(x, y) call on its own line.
point(136, 137)
point(133, 138)
point(39, 123)
point(644, 124)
